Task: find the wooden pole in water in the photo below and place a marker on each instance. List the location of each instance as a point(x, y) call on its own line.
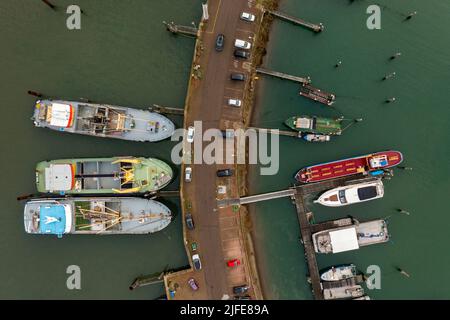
point(411, 15)
point(398, 54)
point(47, 2)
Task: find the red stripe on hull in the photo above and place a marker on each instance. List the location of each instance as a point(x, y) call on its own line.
point(347, 167)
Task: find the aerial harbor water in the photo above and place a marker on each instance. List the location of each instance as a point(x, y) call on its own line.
point(416, 124)
point(123, 56)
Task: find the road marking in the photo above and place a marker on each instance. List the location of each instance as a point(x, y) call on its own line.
point(242, 30)
point(215, 17)
point(228, 88)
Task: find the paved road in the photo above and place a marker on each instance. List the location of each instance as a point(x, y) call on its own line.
point(208, 103)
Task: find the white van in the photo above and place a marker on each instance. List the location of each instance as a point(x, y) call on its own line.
point(238, 43)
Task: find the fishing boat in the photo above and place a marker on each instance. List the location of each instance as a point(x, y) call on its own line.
point(100, 215)
point(372, 164)
point(116, 175)
point(102, 120)
point(339, 272)
point(341, 293)
point(314, 124)
point(360, 192)
point(350, 237)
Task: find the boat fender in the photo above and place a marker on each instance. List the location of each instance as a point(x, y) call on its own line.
point(376, 173)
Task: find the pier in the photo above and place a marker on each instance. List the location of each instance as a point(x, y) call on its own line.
point(312, 26)
point(316, 94)
point(282, 75)
point(179, 29)
point(166, 110)
point(298, 194)
point(295, 134)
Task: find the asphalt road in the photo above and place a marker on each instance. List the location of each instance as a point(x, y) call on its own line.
point(208, 104)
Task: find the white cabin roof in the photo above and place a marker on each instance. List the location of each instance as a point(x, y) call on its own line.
point(303, 123)
point(60, 115)
point(344, 240)
point(58, 177)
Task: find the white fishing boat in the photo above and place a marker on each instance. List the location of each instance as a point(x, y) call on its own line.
point(97, 215)
point(102, 120)
point(339, 272)
point(345, 195)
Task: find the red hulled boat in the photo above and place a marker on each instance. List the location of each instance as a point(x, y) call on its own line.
point(370, 163)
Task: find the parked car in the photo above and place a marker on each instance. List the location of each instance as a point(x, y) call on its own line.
point(240, 289)
point(193, 284)
point(228, 133)
point(225, 173)
point(220, 42)
point(234, 102)
point(189, 221)
point(241, 54)
point(188, 174)
point(190, 134)
point(194, 246)
point(242, 44)
point(237, 76)
point(233, 263)
point(247, 16)
point(196, 262)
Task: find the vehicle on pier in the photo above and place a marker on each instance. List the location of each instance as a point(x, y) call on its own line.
point(350, 237)
point(345, 195)
point(372, 164)
point(95, 216)
point(314, 124)
point(102, 120)
point(340, 272)
point(116, 175)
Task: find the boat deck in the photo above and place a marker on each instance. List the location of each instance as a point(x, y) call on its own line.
point(372, 232)
point(351, 166)
point(316, 94)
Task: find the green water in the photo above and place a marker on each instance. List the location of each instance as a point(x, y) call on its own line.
point(122, 55)
point(417, 125)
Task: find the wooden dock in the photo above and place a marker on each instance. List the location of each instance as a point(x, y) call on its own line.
point(282, 75)
point(312, 26)
point(307, 228)
point(179, 29)
point(317, 94)
point(166, 110)
point(286, 133)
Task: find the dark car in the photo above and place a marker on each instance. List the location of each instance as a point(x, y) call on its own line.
point(220, 42)
point(189, 221)
point(240, 289)
point(237, 76)
point(241, 54)
point(225, 173)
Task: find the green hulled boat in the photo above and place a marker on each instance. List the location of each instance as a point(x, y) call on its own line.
point(313, 124)
point(121, 175)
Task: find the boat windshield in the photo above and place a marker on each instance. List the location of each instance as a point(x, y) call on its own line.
point(342, 197)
